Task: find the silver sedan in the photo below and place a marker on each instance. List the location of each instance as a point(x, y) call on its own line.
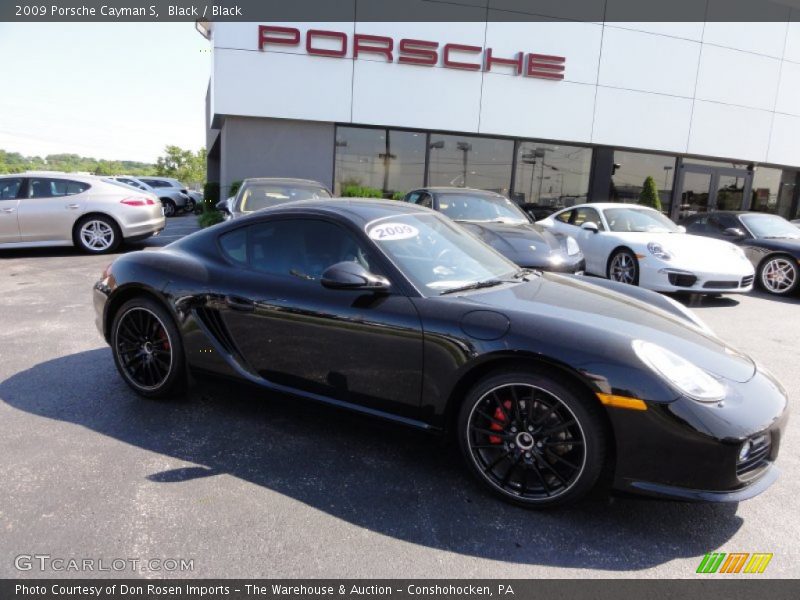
point(65, 209)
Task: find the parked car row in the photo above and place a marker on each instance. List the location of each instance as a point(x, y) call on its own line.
point(172, 193)
point(58, 209)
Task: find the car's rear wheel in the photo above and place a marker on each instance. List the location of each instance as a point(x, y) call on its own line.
point(190, 206)
point(97, 234)
point(533, 440)
point(147, 349)
point(624, 267)
point(779, 275)
point(169, 207)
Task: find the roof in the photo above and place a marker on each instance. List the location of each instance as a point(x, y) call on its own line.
point(359, 210)
point(283, 180)
point(605, 205)
point(459, 190)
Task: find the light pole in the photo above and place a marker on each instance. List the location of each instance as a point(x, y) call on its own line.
point(387, 158)
point(667, 169)
point(464, 147)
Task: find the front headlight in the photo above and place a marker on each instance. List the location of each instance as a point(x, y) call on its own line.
point(658, 251)
point(572, 247)
point(682, 374)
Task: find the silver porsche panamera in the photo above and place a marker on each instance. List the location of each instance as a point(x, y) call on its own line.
point(66, 209)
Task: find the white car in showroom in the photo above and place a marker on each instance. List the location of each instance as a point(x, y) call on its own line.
point(640, 246)
point(65, 209)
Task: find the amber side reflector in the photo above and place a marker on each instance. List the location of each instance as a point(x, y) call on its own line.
point(622, 402)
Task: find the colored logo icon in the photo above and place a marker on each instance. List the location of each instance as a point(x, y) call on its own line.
point(734, 562)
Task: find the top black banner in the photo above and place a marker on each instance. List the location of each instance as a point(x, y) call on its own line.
point(403, 10)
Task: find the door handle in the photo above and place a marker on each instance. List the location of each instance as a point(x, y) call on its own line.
point(73, 206)
point(238, 303)
point(9, 210)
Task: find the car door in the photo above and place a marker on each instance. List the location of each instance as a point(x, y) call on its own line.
point(592, 243)
point(10, 190)
point(350, 345)
point(50, 208)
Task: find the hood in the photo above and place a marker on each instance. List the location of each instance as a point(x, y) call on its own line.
point(606, 314)
point(524, 243)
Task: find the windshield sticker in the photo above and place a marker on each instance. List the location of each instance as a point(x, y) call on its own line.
point(386, 232)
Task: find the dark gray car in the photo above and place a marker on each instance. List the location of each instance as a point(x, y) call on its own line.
point(258, 193)
point(503, 225)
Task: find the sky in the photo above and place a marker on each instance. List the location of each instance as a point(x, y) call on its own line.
point(104, 90)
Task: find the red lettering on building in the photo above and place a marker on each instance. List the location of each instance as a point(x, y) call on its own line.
point(418, 52)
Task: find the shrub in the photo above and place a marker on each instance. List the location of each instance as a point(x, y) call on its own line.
point(209, 217)
point(649, 196)
point(358, 191)
point(210, 194)
point(234, 187)
point(398, 196)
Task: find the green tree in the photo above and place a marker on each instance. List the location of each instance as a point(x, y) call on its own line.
point(187, 165)
point(649, 196)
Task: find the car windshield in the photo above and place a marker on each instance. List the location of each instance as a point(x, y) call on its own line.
point(639, 220)
point(770, 226)
point(263, 195)
point(436, 254)
point(480, 207)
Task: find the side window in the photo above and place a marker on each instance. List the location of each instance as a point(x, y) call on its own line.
point(586, 215)
point(565, 216)
point(426, 200)
point(714, 225)
point(300, 248)
point(729, 221)
point(76, 187)
point(9, 188)
point(697, 225)
point(413, 197)
point(42, 188)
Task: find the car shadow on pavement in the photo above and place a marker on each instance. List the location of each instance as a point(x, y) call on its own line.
point(393, 481)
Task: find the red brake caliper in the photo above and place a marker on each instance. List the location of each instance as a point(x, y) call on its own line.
point(500, 416)
point(164, 339)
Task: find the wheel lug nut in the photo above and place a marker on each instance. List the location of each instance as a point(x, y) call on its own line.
point(511, 445)
point(513, 430)
point(530, 428)
point(527, 455)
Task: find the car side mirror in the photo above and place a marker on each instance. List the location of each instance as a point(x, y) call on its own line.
point(222, 206)
point(733, 232)
point(590, 226)
point(349, 275)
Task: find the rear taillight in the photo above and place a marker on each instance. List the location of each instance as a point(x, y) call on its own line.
point(138, 201)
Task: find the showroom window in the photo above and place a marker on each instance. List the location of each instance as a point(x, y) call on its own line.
point(773, 191)
point(466, 161)
point(631, 170)
point(388, 161)
point(551, 175)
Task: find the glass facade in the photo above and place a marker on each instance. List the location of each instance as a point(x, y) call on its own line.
point(381, 161)
point(388, 161)
point(631, 170)
point(465, 161)
point(552, 175)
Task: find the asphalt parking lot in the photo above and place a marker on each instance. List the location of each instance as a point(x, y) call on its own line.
point(249, 485)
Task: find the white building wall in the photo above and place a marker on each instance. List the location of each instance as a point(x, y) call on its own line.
point(728, 90)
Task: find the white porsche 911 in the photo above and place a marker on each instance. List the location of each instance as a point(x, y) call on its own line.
point(640, 246)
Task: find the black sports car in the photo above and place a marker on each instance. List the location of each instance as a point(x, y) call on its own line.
point(770, 242)
point(548, 381)
point(501, 223)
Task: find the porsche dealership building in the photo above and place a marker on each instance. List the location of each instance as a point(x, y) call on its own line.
point(550, 111)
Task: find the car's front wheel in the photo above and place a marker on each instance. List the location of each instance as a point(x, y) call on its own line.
point(779, 275)
point(147, 348)
point(169, 207)
point(97, 234)
point(534, 440)
point(624, 267)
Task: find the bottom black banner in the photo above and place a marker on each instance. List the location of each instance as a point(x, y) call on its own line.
point(432, 589)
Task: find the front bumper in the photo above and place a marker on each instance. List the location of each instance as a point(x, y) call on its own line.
point(690, 451)
point(661, 277)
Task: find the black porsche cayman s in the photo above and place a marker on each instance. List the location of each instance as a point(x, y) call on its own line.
point(548, 381)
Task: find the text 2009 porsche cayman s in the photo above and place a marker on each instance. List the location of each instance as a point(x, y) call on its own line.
point(551, 383)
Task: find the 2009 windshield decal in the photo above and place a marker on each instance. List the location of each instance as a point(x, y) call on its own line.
point(338, 44)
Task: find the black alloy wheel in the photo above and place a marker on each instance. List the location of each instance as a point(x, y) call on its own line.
point(533, 440)
point(147, 349)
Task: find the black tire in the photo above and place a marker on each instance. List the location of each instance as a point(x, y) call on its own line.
point(96, 234)
point(169, 207)
point(148, 350)
point(623, 266)
point(190, 206)
point(778, 274)
point(536, 458)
